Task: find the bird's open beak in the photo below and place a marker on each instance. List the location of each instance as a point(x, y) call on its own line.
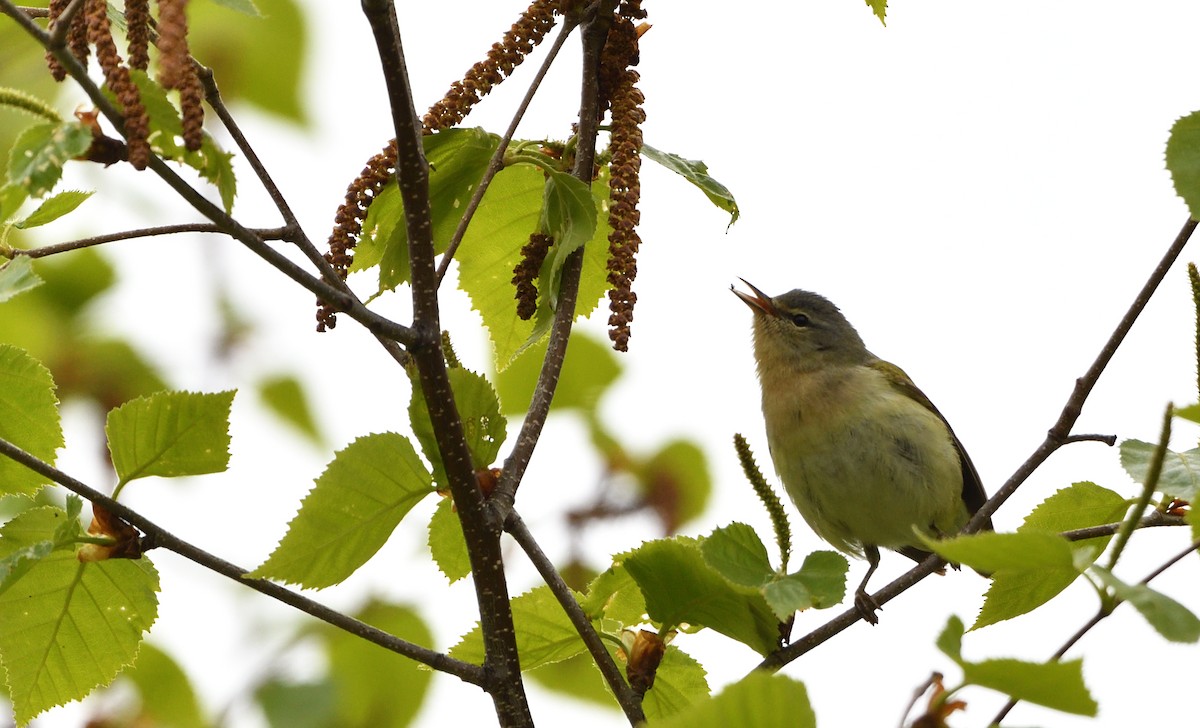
point(759, 302)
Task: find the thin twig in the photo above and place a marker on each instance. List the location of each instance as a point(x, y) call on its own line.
point(626, 698)
point(62, 24)
point(187, 227)
point(1109, 440)
point(34, 12)
point(1055, 438)
point(496, 163)
point(595, 30)
point(156, 536)
point(1104, 612)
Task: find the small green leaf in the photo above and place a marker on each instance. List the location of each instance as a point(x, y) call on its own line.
point(576, 677)
point(992, 552)
point(297, 705)
point(589, 369)
point(950, 640)
point(1173, 621)
point(216, 167)
point(696, 172)
point(879, 8)
point(54, 208)
point(759, 699)
point(351, 511)
point(245, 7)
point(12, 196)
point(1180, 476)
point(1018, 592)
point(679, 683)
point(681, 589)
point(166, 693)
point(1190, 413)
point(1057, 685)
point(446, 542)
point(544, 633)
point(1183, 160)
point(170, 434)
point(676, 482)
point(738, 554)
point(375, 687)
point(568, 216)
point(478, 407)
point(615, 596)
point(17, 276)
point(1079, 506)
point(285, 396)
point(820, 583)
point(37, 157)
point(28, 418)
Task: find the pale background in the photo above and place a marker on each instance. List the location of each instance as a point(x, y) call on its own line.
point(980, 187)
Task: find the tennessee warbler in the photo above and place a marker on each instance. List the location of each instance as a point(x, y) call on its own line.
point(865, 456)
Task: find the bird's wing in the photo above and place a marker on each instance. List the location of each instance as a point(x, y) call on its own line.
point(973, 494)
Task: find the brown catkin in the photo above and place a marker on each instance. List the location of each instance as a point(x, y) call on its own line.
point(190, 96)
point(137, 24)
point(349, 219)
point(533, 254)
point(116, 75)
point(174, 64)
point(518, 42)
point(55, 11)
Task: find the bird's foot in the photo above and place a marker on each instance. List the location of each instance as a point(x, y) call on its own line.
point(866, 606)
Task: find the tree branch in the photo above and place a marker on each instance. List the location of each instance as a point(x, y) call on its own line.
point(501, 661)
point(187, 227)
point(626, 698)
point(596, 21)
point(496, 163)
point(156, 536)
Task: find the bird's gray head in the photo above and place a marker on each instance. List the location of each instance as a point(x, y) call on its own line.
point(800, 331)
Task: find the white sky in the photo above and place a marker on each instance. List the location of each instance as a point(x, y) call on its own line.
point(979, 186)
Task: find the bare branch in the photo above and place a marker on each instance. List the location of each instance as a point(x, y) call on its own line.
point(156, 536)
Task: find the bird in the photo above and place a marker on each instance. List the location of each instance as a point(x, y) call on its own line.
point(866, 458)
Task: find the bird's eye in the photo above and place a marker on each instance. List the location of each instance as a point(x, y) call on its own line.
point(800, 319)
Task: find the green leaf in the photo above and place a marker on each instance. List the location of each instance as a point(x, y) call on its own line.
point(696, 172)
point(297, 705)
point(1183, 160)
point(17, 276)
point(950, 640)
point(1190, 413)
point(820, 583)
point(216, 167)
point(681, 589)
point(167, 696)
point(1028, 568)
point(37, 157)
point(479, 408)
point(676, 482)
point(19, 562)
point(879, 8)
point(589, 369)
point(759, 699)
point(577, 677)
point(615, 596)
point(679, 683)
point(446, 542)
point(170, 434)
point(457, 158)
point(12, 196)
point(544, 633)
point(28, 418)
point(1180, 476)
point(285, 396)
point(568, 216)
point(1057, 685)
point(738, 554)
point(375, 687)
point(351, 511)
point(246, 7)
point(68, 627)
point(1171, 619)
point(259, 60)
point(1080, 506)
point(54, 208)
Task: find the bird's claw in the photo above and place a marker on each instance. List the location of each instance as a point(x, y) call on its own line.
point(866, 606)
